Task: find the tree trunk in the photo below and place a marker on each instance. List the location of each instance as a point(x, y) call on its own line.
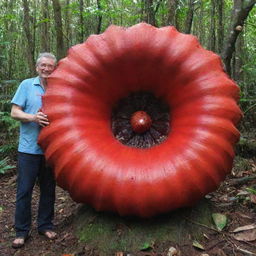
point(212, 37)
point(58, 27)
point(10, 29)
point(150, 15)
point(149, 10)
point(67, 28)
point(220, 28)
point(30, 45)
point(189, 18)
point(81, 21)
point(171, 18)
point(238, 72)
point(45, 39)
point(88, 22)
point(201, 30)
point(241, 11)
point(99, 17)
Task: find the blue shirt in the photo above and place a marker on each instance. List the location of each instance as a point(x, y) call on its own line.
point(29, 97)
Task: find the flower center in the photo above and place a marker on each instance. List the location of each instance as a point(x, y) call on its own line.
point(141, 120)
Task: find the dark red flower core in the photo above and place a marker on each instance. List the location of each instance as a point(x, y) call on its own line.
point(141, 120)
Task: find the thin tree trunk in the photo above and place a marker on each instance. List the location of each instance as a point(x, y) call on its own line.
point(29, 36)
point(212, 37)
point(241, 11)
point(10, 29)
point(189, 18)
point(220, 27)
point(178, 21)
point(59, 32)
point(81, 21)
point(200, 23)
point(150, 11)
point(172, 5)
point(150, 16)
point(237, 71)
point(67, 28)
point(45, 40)
point(99, 17)
point(88, 21)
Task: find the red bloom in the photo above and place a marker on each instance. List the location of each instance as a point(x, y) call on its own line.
point(100, 152)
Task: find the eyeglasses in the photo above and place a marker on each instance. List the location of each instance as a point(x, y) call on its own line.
point(44, 65)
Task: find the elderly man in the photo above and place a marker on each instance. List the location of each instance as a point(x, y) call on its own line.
point(26, 105)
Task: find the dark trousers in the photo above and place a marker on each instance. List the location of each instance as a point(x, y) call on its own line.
point(31, 167)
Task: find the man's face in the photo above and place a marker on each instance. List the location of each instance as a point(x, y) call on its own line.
point(45, 67)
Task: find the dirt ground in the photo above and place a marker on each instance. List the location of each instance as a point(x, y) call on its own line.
point(236, 199)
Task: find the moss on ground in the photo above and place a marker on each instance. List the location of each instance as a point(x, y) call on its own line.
point(109, 233)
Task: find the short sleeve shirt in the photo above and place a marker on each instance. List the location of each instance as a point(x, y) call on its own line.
point(29, 97)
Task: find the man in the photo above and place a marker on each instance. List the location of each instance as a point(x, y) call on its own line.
point(26, 105)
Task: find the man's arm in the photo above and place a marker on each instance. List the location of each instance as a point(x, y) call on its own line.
point(18, 114)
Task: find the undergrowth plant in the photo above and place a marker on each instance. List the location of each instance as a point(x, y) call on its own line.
point(8, 126)
point(8, 135)
point(5, 166)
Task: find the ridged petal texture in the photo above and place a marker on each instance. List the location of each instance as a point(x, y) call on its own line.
point(94, 166)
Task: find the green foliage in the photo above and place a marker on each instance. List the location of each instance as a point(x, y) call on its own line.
point(251, 190)
point(8, 149)
point(9, 134)
point(220, 220)
point(5, 166)
point(43, 21)
point(13, 43)
point(8, 124)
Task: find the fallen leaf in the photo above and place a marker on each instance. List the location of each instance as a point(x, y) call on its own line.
point(198, 245)
point(248, 235)
point(253, 198)
point(146, 247)
point(172, 251)
point(11, 181)
point(243, 228)
point(220, 220)
point(251, 190)
point(245, 251)
point(244, 215)
point(207, 237)
point(242, 193)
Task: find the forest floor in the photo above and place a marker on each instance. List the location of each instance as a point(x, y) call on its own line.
point(235, 199)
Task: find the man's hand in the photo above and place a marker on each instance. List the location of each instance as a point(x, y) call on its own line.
point(41, 119)
point(18, 114)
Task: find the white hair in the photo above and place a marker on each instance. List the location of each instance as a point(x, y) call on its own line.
point(46, 55)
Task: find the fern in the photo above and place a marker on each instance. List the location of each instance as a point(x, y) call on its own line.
point(4, 166)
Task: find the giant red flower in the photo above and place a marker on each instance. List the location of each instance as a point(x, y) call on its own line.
point(142, 121)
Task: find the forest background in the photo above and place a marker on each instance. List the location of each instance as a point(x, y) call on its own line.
point(29, 27)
